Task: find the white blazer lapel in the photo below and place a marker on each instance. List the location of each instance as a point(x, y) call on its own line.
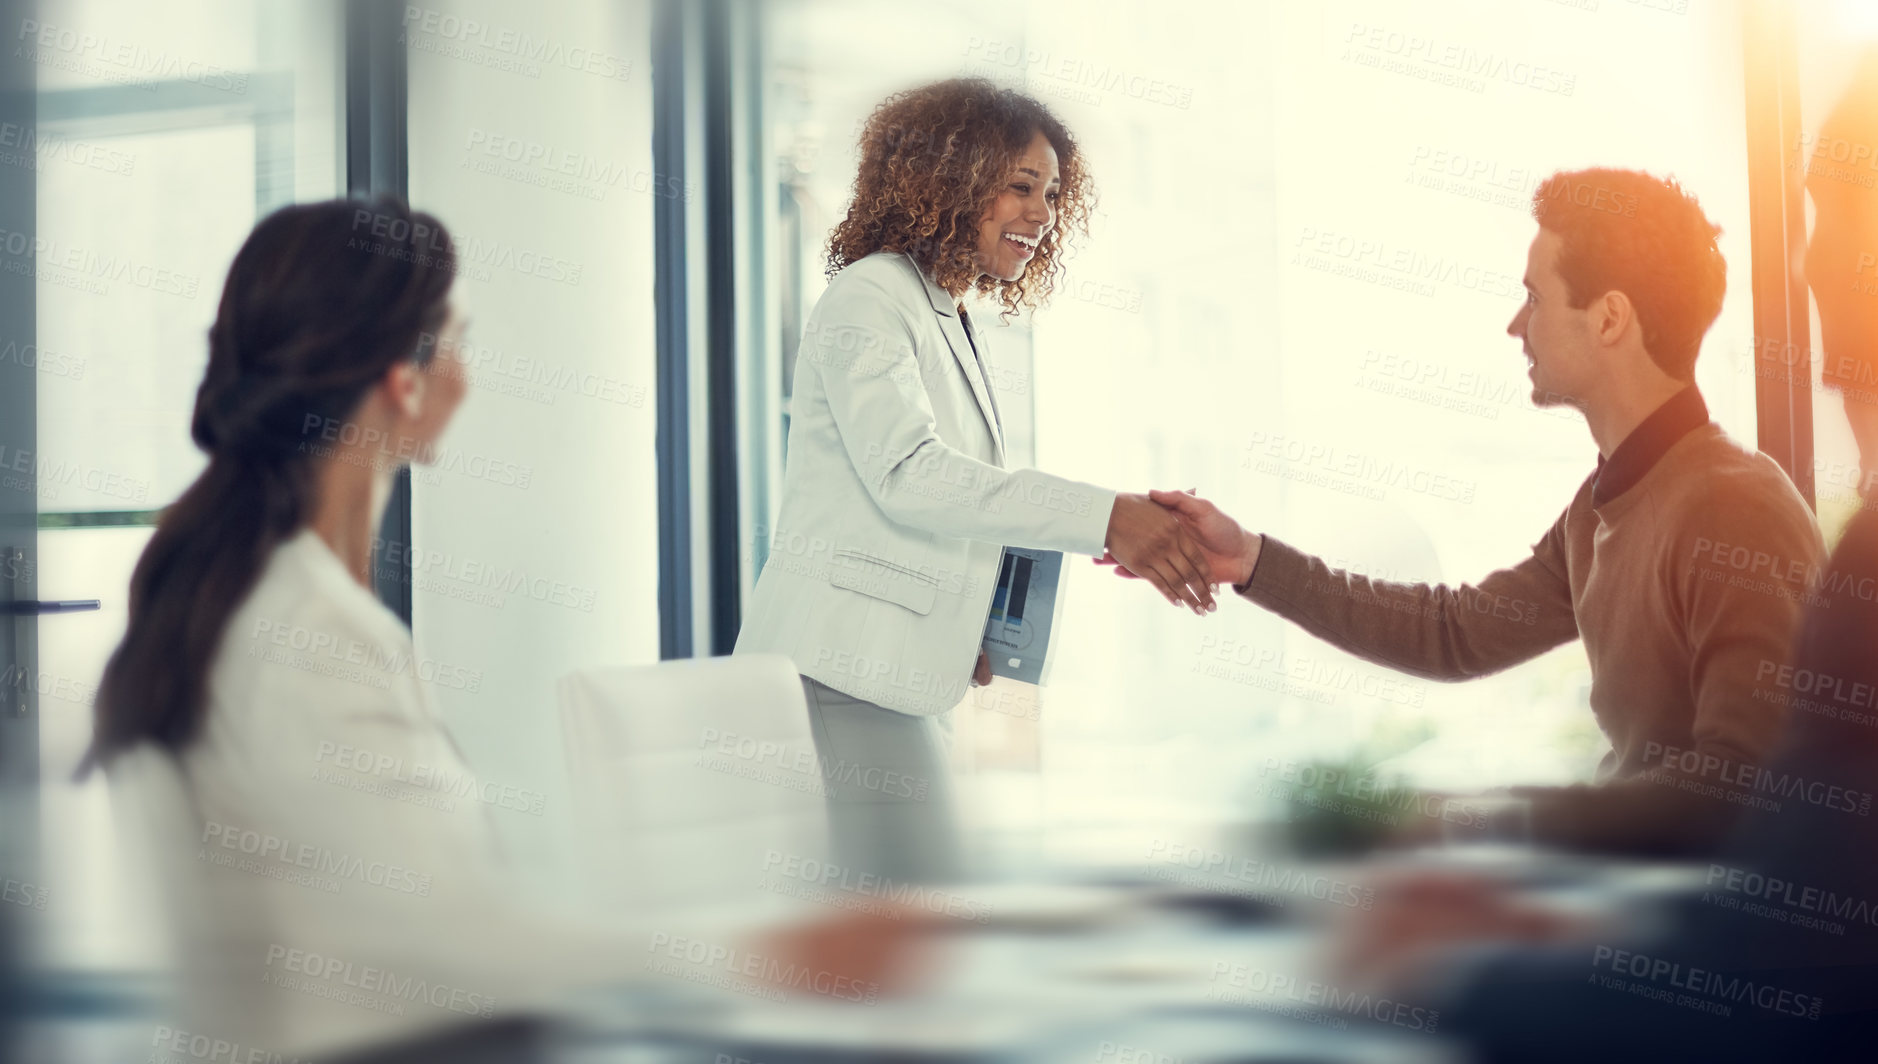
point(954, 331)
point(997, 416)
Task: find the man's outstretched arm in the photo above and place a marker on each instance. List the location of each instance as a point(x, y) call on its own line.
point(1433, 631)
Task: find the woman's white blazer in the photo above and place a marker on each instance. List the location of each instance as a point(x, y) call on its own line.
point(896, 506)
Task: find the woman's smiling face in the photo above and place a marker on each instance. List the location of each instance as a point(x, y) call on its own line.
point(1022, 214)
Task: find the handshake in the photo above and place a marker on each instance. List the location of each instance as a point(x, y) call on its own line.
point(1180, 543)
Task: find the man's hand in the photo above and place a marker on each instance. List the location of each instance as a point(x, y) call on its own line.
point(1419, 915)
point(1154, 544)
point(1229, 551)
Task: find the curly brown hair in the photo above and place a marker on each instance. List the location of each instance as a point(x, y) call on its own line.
point(932, 161)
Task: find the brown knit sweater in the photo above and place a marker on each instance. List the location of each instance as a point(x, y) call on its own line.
point(1686, 589)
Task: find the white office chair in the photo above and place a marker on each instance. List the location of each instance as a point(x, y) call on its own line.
point(212, 926)
point(697, 781)
point(154, 825)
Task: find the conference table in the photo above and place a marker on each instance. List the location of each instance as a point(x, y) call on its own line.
point(1142, 965)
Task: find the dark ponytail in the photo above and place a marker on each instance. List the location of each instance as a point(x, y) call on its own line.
point(321, 301)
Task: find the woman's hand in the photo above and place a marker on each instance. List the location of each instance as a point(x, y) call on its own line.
point(1228, 551)
point(981, 672)
point(1151, 542)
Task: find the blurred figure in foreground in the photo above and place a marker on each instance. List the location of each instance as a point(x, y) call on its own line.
point(339, 885)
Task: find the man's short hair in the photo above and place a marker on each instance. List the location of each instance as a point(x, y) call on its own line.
point(1627, 231)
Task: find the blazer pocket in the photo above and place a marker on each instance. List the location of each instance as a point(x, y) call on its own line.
point(879, 578)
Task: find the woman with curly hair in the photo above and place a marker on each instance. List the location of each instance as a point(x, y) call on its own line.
point(897, 505)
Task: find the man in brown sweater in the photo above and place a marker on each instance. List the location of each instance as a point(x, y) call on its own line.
point(1682, 561)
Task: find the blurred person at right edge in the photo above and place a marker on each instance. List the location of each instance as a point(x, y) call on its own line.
point(1775, 957)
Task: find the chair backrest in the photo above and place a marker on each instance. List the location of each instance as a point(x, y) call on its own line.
point(156, 827)
point(159, 831)
point(697, 781)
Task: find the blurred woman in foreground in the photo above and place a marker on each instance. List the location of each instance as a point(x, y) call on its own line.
point(342, 886)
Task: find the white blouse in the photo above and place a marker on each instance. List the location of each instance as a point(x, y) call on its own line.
point(345, 884)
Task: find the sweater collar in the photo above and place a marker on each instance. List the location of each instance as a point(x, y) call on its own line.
point(1647, 444)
